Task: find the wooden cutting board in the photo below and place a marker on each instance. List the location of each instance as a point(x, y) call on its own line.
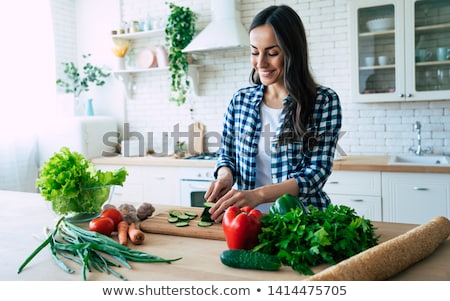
point(158, 224)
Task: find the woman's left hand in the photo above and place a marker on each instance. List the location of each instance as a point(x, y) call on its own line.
point(234, 197)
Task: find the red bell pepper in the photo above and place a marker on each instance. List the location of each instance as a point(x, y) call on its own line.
point(241, 227)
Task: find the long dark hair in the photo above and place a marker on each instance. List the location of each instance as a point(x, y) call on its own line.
point(291, 36)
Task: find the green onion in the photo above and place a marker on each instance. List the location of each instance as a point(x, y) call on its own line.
point(89, 249)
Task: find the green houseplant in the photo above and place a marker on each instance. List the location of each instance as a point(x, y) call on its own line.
point(180, 30)
point(76, 83)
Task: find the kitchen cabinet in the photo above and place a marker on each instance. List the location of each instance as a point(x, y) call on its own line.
point(360, 190)
point(147, 184)
point(126, 76)
point(415, 197)
point(394, 50)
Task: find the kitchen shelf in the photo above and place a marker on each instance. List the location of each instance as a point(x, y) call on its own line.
point(140, 35)
point(127, 77)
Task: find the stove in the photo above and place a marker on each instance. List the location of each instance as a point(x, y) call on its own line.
point(203, 156)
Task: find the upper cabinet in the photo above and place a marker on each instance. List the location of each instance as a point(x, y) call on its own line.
point(400, 50)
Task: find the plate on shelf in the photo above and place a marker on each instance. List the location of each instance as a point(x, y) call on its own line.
point(146, 58)
point(380, 24)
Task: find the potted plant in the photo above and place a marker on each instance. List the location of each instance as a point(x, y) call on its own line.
point(180, 30)
point(76, 82)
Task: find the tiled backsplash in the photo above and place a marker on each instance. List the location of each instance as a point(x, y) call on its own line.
point(386, 128)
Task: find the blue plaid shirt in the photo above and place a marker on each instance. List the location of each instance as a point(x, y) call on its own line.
point(309, 166)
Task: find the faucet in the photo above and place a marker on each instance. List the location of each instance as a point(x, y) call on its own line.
point(419, 151)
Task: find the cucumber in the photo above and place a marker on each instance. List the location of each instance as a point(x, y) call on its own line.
point(247, 259)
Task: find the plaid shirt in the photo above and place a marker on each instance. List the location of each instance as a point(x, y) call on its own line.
point(309, 166)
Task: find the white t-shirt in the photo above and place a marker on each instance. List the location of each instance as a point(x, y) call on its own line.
point(270, 118)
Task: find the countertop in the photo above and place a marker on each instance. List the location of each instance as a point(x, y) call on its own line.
point(350, 163)
point(26, 215)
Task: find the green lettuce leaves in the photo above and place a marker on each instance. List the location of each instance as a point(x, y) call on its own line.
point(73, 185)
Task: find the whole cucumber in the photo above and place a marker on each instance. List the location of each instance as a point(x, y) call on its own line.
point(247, 259)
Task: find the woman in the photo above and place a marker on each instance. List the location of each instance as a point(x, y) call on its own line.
point(279, 134)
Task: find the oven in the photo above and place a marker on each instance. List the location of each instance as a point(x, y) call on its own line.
point(195, 181)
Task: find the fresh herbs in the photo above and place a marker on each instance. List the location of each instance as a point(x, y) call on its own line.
point(73, 185)
point(302, 240)
point(91, 250)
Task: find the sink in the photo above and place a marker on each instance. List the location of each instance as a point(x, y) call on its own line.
point(420, 160)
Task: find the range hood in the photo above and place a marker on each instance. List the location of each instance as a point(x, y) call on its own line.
point(224, 32)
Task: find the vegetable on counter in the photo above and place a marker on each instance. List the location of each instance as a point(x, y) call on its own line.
point(68, 179)
point(248, 259)
point(113, 214)
point(129, 213)
point(88, 249)
point(135, 234)
point(122, 233)
point(241, 227)
point(144, 211)
point(285, 203)
point(103, 225)
point(302, 240)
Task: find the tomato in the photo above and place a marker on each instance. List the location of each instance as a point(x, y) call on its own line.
point(103, 225)
point(113, 214)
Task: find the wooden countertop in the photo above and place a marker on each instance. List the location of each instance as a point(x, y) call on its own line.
point(350, 163)
point(27, 214)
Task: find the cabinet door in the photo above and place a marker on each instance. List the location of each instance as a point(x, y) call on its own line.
point(378, 68)
point(162, 185)
point(414, 197)
point(427, 37)
point(400, 50)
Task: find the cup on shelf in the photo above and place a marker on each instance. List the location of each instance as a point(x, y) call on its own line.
point(442, 53)
point(369, 61)
point(383, 60)
point(423, 55)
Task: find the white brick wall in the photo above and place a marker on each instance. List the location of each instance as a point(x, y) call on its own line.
point(371, 128)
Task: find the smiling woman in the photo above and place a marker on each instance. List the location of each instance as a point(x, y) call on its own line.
point(28, 92)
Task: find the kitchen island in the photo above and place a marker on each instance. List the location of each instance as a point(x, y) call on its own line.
point(24, 217)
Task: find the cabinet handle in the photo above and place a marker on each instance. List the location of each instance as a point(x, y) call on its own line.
point(357, 200)
point(333, 182)
point(420, 188)
point(409, 95)
point(160, 178)
point(401, 95)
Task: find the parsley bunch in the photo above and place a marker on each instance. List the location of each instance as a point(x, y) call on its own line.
point(301, 240)
point(73, 185)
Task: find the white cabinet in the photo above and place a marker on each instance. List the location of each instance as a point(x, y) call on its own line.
point(399, 30)
point(415, 197)
point(358, 190)
point(162, 185)
point(158, 185)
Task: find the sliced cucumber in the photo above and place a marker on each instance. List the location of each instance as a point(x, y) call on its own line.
point(208, 204)
point(204, 224)
point(191, 214)
point(182, 224)
point(247, 259)
point(183, 217)
point(172, 219)
point(175, 213)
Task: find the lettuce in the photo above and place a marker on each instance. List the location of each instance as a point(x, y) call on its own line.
point(73, 185)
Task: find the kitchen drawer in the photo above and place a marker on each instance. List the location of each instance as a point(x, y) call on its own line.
point(354, 183)
point(366, 206)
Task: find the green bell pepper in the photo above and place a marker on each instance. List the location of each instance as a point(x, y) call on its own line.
point(285, 203)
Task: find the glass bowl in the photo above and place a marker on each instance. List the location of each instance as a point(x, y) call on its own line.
point(97, 196)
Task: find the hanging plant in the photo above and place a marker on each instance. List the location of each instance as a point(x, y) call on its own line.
point(180, 30)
